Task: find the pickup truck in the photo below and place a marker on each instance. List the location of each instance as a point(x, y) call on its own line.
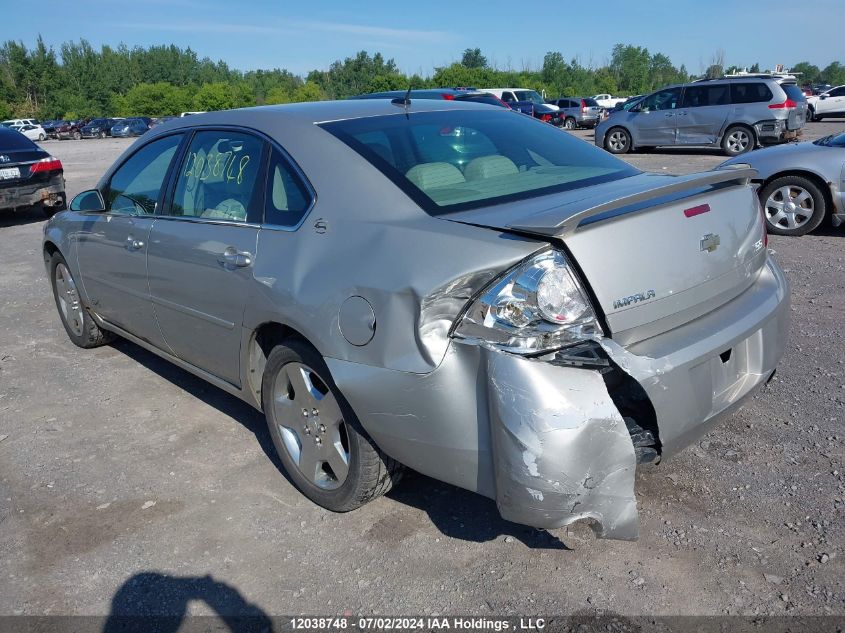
point(607, 101)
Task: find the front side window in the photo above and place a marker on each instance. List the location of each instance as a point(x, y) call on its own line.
point(287, 199)
point(837, 92)
point(135, 187)
point(460, 159)
point(529, 95)
point(663, 100)
point(219, 178)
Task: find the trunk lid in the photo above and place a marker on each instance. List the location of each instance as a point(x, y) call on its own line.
point(15, 165)
point(657, 251)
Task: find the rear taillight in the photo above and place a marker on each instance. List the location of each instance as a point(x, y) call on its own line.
point(46, 164)
point(447, 96)
point(546, 117)
point(583, 106)
point(789, 103)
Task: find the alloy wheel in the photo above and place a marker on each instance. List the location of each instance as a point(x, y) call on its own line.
point(617, 141)
point(789, 207)
point(68, 297)
point(738, 141)
point(311, 425)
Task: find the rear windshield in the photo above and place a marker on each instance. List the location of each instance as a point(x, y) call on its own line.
point(12, 140)
point(462, 159)
point(591, 103)
point(793, 92)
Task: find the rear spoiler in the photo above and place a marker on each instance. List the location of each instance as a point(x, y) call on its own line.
point(559, 222)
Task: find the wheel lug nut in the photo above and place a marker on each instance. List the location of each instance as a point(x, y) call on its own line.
point(315, 412)
point(305, 413)
point(322, 428)
point(307, 430)
point(318, 440)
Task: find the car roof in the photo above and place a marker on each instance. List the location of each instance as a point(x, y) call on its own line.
point(321, 111)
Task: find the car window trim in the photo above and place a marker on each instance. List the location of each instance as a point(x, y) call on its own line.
point(105, 190)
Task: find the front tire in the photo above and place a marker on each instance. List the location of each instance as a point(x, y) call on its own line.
point(41, 137)
point(793, 205)
point(617, 141)
point(78, 323)
point(102, 135)
point(322, 445)
point(77, 136)
point(738, 139)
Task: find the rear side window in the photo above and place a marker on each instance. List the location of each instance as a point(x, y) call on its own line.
point(488, 99)
point(706, 95)
point(757, 92)
point(461, 159)
point(135, 187)
point(287, 198)
point(219, 178)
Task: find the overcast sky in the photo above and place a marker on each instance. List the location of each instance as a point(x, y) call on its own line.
point(420, 35)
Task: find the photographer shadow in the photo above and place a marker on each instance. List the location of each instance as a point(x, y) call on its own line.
point(152, 602)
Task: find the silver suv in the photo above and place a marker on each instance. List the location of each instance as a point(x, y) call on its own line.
point(734, 114)
point(578, 111)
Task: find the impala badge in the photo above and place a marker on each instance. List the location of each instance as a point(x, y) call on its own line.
point(710, 242)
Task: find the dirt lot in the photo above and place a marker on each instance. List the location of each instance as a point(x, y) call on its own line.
point(126, 484)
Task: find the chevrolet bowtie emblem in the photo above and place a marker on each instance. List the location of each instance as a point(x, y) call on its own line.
point(710, 242)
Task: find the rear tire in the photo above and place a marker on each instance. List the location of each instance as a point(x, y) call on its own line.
point(738, 139)
point(78, 323)
point(102, 135)
point(317, 435)
point(617, 141)
point(569, 123)
point(77, 135)
point(41, 137)
point(793, 205)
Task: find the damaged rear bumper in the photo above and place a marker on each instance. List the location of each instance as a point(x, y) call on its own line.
point(548, 439)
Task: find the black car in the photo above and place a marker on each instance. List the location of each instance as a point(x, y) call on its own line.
point(29, 176)
point(448, 94)
point(97, 128)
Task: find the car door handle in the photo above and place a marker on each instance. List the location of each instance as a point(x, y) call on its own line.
point(133, 245)
point(233, 258)
point(668, 115)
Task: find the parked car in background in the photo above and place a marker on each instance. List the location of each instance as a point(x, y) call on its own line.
point(489, 340)
point(735, 114)
point(189, 113)
point(528, 102)
point(447, 94)
point(19, 122)
point(131, 127)
point(51, 128)
point(828, 104)
point(70, 130)
point(29, 176)
point(161, 120)
point(97, 128)
point(606, 101)
point(578, 111)
point(800, 184)
point(32, 132)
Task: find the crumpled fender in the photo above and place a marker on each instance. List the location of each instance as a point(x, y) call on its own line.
point(561, 450)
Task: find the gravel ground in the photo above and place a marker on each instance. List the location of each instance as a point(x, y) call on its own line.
point(126, 484)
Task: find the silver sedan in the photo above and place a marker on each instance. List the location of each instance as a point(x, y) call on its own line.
point(801, 184)
point(450, 287)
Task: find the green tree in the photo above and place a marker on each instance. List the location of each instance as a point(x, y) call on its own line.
point(309, 91)
point(214, 96)
point(630, 65)
point(472, 58)
point(807, 72)
point(834, 74)
point(156, 99)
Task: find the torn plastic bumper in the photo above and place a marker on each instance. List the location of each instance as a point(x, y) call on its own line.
point(561, 449)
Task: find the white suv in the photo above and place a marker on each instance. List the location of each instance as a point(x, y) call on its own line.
point(830, 103)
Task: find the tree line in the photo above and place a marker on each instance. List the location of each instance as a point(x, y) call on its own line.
point(78, 80)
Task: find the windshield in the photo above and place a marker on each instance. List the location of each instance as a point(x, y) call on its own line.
point(834, 140)
point(528, 95)
point(462, 159)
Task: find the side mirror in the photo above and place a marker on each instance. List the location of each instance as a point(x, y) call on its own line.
point(824, 96)
point(90, 201)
